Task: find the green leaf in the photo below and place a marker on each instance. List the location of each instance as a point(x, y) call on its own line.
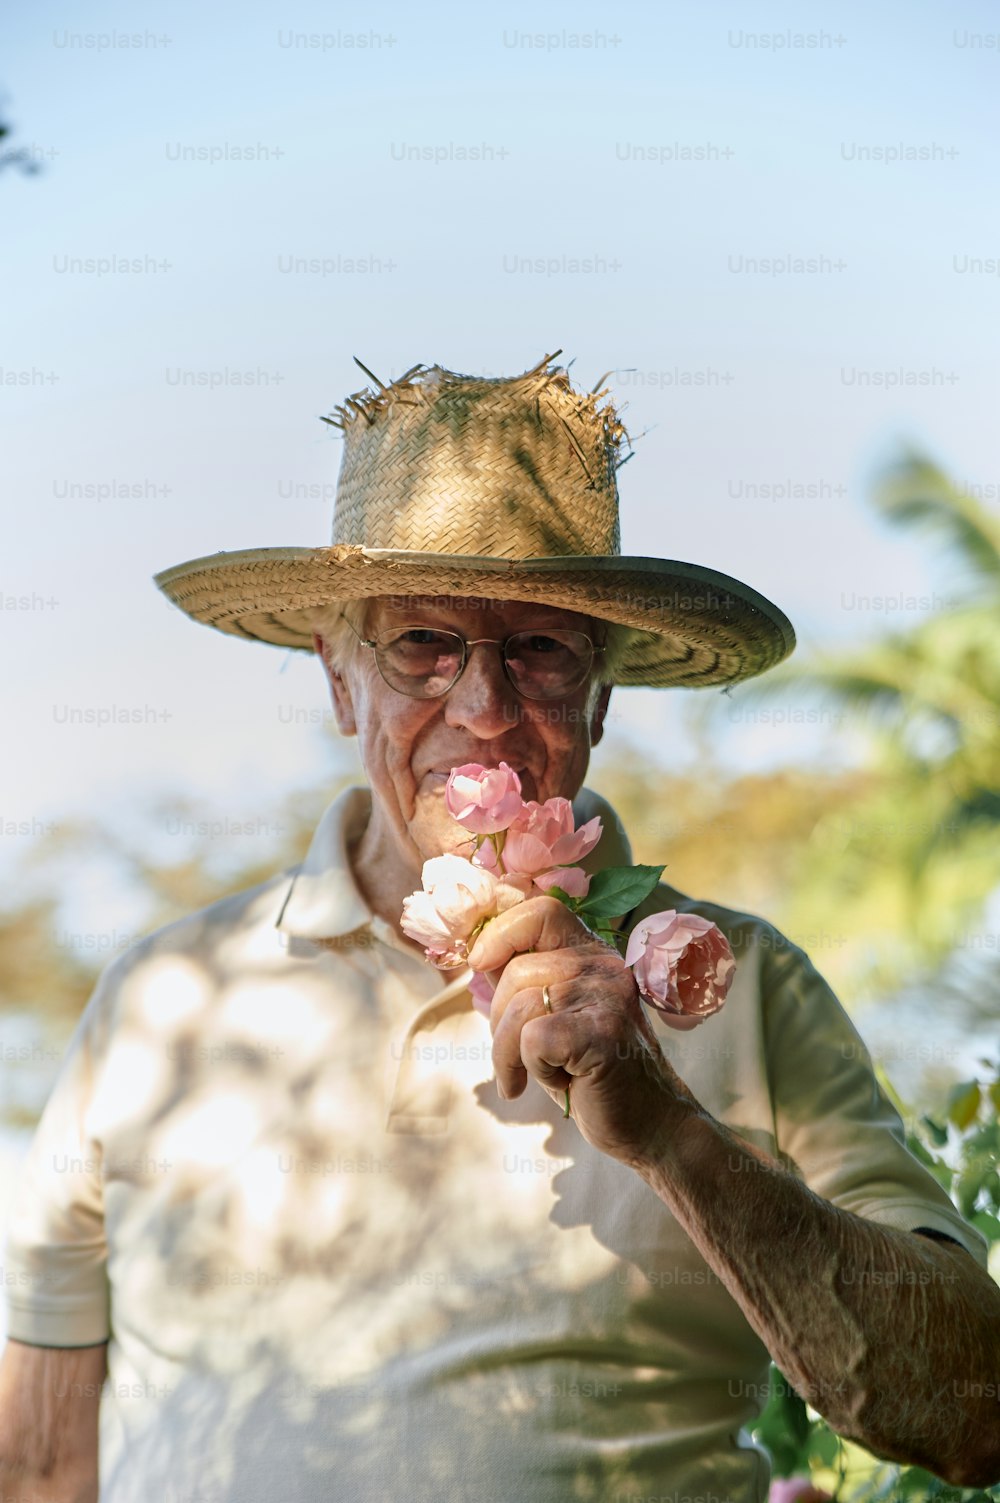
point(985, 1140)
point(963, 1103)
point(987, 1224)
point(914, 1482)
point(994, 1094)
point(784, 1428)
point(937, 1134)
point(966, 1191)
point(824, 1445)
point(617, 890)
point(564, 897)
point(797, 1419)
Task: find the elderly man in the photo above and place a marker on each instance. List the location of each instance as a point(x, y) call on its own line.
point(298, 1223)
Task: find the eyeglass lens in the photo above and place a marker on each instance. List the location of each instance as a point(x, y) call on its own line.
point(424, 662)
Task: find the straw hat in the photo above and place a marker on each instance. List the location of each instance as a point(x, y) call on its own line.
point(503, 488)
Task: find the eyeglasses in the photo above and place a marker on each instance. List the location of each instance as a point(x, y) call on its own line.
point(424, 661)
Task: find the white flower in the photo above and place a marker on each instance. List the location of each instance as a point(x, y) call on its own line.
point(457, 897)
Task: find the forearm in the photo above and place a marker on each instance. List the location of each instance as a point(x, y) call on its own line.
point(49, 1422)
point(900, 1345)
point(21, 1485)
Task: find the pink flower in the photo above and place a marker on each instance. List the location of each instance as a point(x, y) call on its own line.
point(456, 898)
point(483, 799)
point(542, 837)
point(482, 990)
point(796, 1490)
point(572, 879)
point(683, 965)
point(484, 855)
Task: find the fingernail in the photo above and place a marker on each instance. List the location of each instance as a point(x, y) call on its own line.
point(501, 1092)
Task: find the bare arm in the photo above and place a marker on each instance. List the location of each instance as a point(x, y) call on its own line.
point(49, 1403)
point(893, 1336)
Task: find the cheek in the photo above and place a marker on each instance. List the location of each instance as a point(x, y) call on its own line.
point(565, 732)
point(391, 728)
point(565, 725)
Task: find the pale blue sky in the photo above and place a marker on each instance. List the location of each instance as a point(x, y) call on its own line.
point(775, 358)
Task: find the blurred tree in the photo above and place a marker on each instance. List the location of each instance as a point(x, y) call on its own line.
point(909, 866)
point(17, 156)
point(737, 841)
point(48, 971)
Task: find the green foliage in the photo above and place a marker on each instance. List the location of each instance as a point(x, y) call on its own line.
point(908, 865)
point(613, 892)
point(617, 890)
point(963, 1103)
point(963, 1157)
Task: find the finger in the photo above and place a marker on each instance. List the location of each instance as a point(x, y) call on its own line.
point(540, 923)
point(524, 1006)
point(521, 973)
point(550, 1046)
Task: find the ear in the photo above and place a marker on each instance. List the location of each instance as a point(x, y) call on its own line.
point(340, 694)
point(599, 711)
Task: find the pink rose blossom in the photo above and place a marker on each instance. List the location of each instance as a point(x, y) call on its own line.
point(456, 897)
point(542, 837)
point(484, 856)
point(796, 1490)
point(572, 879)
point(683, 965)
point(483, 799)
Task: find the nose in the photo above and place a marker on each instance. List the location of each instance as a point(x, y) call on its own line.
point(483, 701)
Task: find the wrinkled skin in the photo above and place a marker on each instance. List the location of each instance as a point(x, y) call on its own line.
point(408, 746)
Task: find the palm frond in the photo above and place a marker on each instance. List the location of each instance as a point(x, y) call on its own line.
point(916, 493)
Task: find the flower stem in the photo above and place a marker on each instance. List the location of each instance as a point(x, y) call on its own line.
point(567, 1112)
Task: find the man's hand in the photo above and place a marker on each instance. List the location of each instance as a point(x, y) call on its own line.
point(624, 1094)
point(885, 1370)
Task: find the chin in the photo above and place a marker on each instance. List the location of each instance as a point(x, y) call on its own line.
point(455, 842)
point(435, 833)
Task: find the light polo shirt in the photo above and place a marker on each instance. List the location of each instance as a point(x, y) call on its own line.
point(331, 1263)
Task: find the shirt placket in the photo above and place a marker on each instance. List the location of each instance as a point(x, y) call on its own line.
point(422, 1082)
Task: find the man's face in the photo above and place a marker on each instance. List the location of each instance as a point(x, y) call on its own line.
point(409, 745)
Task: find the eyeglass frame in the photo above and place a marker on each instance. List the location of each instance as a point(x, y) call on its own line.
point(501, 642)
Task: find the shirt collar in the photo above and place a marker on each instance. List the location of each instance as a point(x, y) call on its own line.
point(323, 901)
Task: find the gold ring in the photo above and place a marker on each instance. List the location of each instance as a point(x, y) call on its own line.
point(546, 1002)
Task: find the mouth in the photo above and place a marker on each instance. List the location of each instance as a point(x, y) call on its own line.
point(438, 778)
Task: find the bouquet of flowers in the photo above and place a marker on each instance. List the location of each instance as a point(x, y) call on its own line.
point(519, 849)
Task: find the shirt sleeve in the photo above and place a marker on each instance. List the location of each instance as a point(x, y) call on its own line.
point(55, 1282)
point(833, 1122)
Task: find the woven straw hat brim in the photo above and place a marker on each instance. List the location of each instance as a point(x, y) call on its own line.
point(697, 627)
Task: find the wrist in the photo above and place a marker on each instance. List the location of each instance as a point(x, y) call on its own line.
point(680, 1138)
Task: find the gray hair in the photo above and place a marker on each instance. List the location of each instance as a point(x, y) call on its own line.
point(334, 622)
